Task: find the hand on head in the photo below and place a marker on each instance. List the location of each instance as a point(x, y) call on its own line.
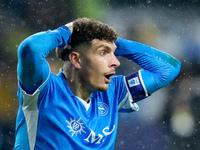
point(70, 26)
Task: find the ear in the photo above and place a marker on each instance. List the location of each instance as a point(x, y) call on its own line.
point(74, 57)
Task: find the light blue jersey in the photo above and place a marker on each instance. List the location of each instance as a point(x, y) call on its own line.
point(51, 117)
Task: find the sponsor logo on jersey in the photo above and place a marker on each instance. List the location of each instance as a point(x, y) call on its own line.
point(133, 82)
point(98, 139)
point(103, 108)
point(75, 126)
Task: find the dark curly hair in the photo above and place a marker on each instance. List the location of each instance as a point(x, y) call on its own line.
point(85, 30)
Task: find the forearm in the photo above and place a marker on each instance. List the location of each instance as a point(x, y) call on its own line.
point(158, 68)
point(33, 69)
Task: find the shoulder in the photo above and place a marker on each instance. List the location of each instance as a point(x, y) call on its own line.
point(52, 82)
point(117, 82)
point(116, 88)
point(116, 79)
point(55, 80)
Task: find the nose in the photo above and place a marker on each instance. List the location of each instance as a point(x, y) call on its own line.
point(115, 62)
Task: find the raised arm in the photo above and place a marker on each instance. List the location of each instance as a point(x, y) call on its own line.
point(33, 69)
point(158, 68)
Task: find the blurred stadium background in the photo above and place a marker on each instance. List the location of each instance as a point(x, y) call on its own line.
point(170, 118)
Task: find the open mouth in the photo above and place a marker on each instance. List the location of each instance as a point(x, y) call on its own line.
point(108, 77)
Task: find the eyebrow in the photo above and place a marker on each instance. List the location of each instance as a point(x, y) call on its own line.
point(105, 46)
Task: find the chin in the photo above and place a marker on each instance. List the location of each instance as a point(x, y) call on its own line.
point(99, 87)
point(103, 89)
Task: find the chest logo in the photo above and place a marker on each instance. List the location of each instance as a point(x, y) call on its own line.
point(103, 108)
point(75, 126)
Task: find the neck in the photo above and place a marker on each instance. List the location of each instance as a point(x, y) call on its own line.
point(75, 83)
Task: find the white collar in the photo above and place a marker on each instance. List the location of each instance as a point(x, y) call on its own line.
point(87, 105)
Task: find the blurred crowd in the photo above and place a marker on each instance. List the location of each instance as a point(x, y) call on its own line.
point(167, 120)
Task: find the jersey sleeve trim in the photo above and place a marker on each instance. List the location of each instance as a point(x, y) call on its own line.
point(31, 112)
point(127, 104)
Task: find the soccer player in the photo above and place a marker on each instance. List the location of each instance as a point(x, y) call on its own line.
point(78, 108)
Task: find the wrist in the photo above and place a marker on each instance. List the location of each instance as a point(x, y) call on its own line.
point(121, 46)
point(65, 33)
point(70, 26)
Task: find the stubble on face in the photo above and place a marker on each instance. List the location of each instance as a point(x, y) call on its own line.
point(95, 72)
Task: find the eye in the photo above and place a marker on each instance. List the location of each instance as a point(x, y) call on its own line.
point(102, 53)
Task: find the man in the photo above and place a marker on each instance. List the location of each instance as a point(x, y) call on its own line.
point(78, 108)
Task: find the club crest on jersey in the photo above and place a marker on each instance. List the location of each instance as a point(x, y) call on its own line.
point(133, 82)
point(75, 126)
point(103, 108)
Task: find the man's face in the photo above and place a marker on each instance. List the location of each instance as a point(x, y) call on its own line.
point(98, 65)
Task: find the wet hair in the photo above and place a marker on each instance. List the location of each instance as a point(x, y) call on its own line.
point(84, 31)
